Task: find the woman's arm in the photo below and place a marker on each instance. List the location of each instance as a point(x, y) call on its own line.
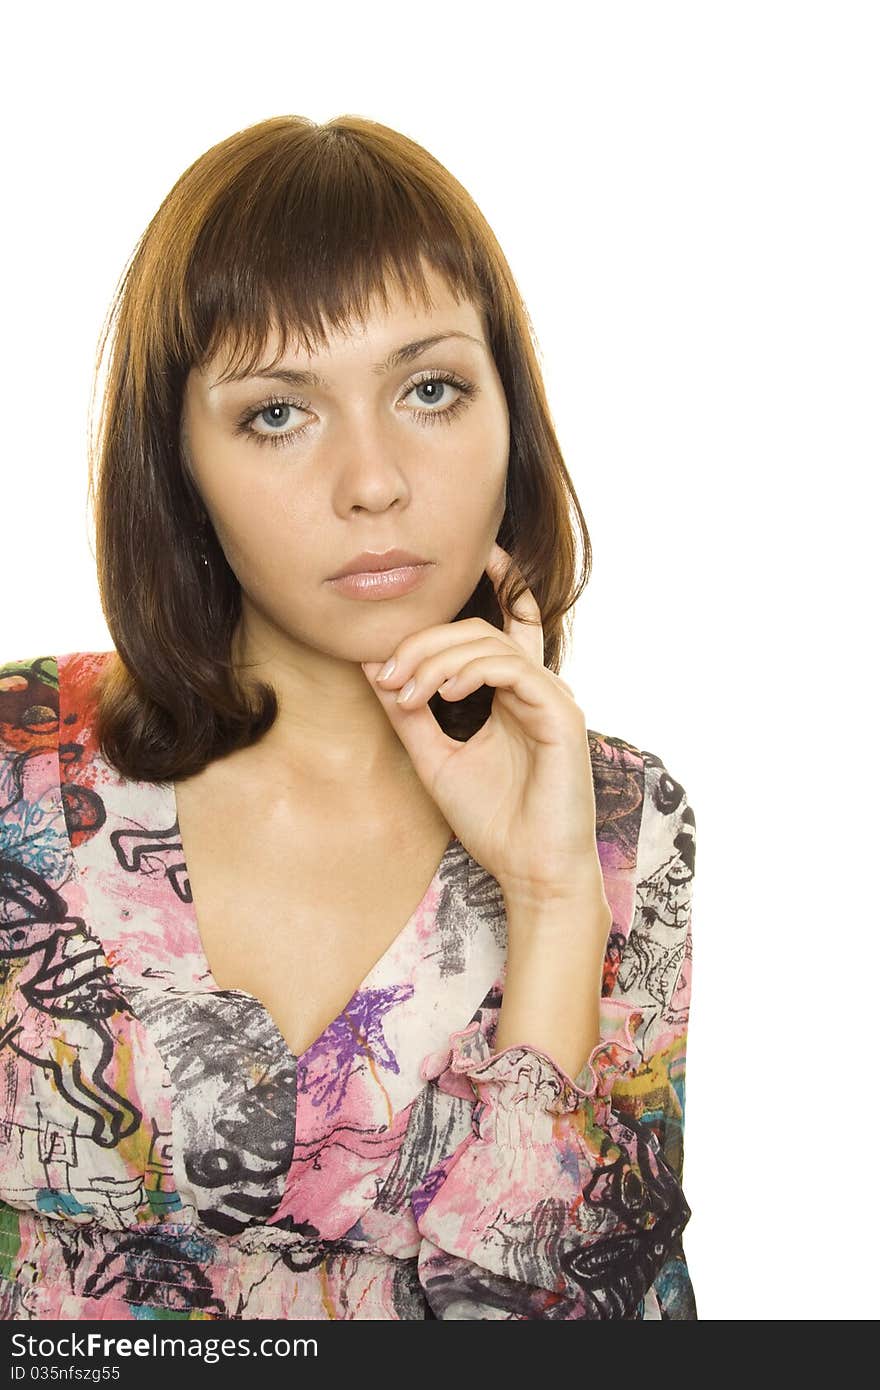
point(553, 981)
point(564, 1199)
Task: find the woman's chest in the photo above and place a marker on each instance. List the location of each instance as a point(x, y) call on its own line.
point(152, 1091)
point(301, 920)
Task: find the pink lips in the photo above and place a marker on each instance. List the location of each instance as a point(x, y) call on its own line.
point(370, 561)
point(377, 584)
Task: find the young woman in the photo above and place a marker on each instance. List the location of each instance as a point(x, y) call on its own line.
point(346, 971)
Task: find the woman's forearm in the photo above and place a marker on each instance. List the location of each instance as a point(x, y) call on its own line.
point(553, 982)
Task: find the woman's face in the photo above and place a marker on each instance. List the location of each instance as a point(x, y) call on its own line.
point(299, 478)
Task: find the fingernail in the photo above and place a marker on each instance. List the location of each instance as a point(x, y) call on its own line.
point(407, 690)
point(386, 670)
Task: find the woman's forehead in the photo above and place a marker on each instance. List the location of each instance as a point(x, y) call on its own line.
point(401, 324)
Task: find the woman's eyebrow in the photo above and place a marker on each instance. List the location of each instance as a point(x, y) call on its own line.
point(296, 377)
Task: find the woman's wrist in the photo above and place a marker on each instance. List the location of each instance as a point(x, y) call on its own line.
point(553, 978)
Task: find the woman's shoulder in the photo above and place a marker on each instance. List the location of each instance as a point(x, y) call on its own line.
point(29, 719)
point(27, 683)
point(54, 662)
point(44, 713)
point(631, 780)
point(31, 688)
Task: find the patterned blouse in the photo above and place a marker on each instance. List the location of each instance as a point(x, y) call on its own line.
point(164, 1154)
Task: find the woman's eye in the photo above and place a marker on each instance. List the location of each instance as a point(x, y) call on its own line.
point(275, 417)
point(432, 391)
point(436, 392)
point(434, 402)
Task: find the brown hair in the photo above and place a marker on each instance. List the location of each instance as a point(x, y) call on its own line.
point(348, 203)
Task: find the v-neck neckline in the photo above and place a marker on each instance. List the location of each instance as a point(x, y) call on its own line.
point(374, 974)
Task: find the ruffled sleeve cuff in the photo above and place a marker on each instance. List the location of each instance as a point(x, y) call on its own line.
point(523, 1088)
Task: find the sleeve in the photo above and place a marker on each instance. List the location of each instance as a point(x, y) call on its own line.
point(564, 1200)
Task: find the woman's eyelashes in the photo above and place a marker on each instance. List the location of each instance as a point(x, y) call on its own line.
point(429, 416)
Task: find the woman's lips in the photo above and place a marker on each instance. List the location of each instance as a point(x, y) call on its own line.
point(375, 584)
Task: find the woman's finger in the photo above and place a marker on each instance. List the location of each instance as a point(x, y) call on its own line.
point(433, 642)
point(546, 716)
point(428, 676)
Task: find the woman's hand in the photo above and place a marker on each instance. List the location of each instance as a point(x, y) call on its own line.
point(519, 793)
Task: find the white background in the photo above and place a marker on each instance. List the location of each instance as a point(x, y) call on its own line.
point(688, 197)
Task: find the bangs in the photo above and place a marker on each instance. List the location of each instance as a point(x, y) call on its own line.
point(306, 240)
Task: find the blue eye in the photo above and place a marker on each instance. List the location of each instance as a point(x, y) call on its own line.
point(436, 380)
point(466, 391)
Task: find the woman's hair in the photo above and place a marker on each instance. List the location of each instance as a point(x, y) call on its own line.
point(280, 227)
